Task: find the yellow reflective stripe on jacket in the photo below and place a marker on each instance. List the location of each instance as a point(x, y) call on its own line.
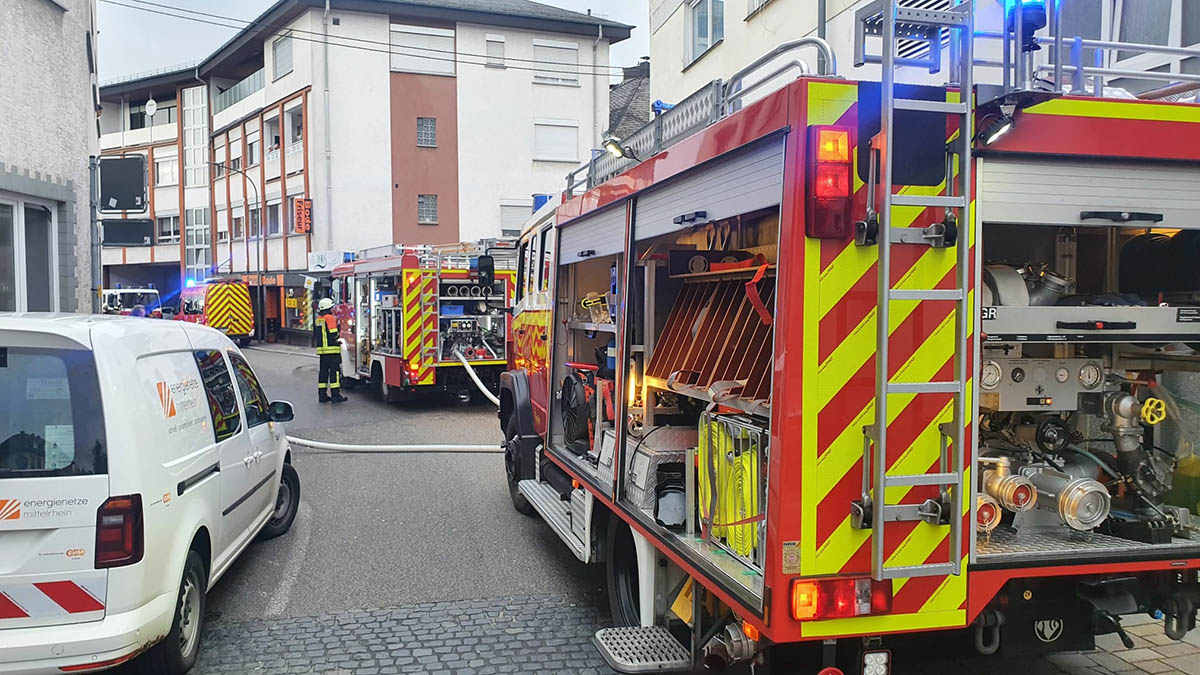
point(329, 343)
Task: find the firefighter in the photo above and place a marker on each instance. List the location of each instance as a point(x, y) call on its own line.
point(329, 351)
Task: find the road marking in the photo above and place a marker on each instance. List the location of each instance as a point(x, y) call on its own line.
point(300, 534)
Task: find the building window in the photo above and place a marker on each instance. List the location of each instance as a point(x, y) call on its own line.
point(168, 229)
point(137, 117)
point(427, 210)
point(419, 49)
point(555, 140)
point(27, 260)
point(194, 162)
point(494, 50)
point(753, 6)
point(166, 172)
point(218, 166)
point(427, 132)
point(558, 62)
point(281, 55)
point(237, 228)
point(273, 226)
point(235, 164)
point(255, 219)
point(513, 217)
point(253, 151)
point(706, 20)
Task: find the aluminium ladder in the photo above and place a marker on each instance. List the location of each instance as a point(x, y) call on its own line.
point(893, 22)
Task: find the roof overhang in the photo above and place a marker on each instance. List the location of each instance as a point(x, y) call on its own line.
point(158, 82)
point(247, 42)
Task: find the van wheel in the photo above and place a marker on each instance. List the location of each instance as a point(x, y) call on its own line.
point(622, 574)
point(176, 653)
point(512, 467)
point(287, 503)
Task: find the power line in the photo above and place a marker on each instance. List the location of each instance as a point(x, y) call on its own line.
point(567, 69)
point(244, 23)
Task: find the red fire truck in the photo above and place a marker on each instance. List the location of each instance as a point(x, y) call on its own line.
point(857, 359)
point(410, 316)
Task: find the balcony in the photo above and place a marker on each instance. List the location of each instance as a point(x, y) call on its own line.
point(295, 156)
point(252, 83)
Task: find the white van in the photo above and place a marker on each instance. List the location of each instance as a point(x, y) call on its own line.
point(137, 460)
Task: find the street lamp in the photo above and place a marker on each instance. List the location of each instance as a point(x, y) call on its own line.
point(257, 244)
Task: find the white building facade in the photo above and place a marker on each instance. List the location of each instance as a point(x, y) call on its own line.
point(402, 122)
point(693, 42)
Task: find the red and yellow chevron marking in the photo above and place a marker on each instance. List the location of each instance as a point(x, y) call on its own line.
point(839, 387)
point(227, 307)
point(427, 372)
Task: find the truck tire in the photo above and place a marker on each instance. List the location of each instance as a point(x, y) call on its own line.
point(622, 574)
point(287, 504)
point(176, 653)
point(512, 467)
point(382, 390)
point(243, 342)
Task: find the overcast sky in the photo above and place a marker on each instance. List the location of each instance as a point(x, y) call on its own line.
point(137, 40)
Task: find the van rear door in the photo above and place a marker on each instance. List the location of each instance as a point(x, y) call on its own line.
point(53, 480)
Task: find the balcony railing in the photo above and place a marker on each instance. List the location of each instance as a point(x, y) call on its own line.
point(252, 83)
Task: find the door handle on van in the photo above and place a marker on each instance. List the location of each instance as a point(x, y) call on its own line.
point(258, 456)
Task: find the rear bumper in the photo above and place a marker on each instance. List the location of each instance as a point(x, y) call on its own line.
point(34, 651)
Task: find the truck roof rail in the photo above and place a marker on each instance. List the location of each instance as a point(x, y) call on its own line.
point(702, 108)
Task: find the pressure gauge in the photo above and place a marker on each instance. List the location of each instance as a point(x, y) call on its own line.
point(990, 375)
point(1062, 375)
point(1018, 374)
point(1090, 375)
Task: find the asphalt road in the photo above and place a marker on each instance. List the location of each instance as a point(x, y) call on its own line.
point(388, 530)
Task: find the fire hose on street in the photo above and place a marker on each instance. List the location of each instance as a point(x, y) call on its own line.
point(419, 448)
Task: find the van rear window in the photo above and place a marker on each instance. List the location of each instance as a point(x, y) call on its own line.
point(52, 423)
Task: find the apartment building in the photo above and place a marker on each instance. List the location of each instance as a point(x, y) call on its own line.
point(693, 42)
point(174, 143)
point(47, 133)
point(402, 121)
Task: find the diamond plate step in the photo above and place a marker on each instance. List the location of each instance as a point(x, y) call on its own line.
point(557, 513)
point(642, 649)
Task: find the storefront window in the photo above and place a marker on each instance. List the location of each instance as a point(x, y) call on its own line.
point(297, 308)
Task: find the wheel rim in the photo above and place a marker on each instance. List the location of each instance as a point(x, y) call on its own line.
point(189, 616)
point(510, 459)
point(283, 503)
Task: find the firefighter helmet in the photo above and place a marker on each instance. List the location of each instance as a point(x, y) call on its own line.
point(325, 304)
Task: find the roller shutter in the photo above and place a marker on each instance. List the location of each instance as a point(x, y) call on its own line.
point(602, 232)
point(1057, 191)
point(746, 180)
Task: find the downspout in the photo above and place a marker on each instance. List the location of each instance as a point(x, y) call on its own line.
point(328, 133)
point(822, 21)
point(596, 111)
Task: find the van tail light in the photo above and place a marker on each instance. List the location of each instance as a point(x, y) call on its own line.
point(119, 532)
point(830, 183)
point(839, 598)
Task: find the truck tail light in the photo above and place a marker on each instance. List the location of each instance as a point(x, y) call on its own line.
point(830, 183)
point(839, 598)
point(119, 532)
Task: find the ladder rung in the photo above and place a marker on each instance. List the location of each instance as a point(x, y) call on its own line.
point(934, 294)
point(957, 202)
point(931, 570)
point(931, 106)
point(924, 387)
point(921, 479)
point(932, 17)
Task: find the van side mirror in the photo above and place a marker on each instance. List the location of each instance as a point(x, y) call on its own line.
point(281, 411)
point(487, 272)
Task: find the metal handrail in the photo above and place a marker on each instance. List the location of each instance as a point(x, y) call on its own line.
point(734, 83)
point(702, 108)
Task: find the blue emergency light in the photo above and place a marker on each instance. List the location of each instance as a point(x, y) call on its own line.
point(190, 283)
point(1033, 18)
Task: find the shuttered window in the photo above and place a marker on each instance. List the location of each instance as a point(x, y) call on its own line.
point(556, 140)
point(281, 55)
point(416, 49)
point(558, 63)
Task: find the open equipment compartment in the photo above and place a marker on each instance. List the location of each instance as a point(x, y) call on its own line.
point(1091, 321)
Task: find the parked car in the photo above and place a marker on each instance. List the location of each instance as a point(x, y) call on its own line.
point(138, 460)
